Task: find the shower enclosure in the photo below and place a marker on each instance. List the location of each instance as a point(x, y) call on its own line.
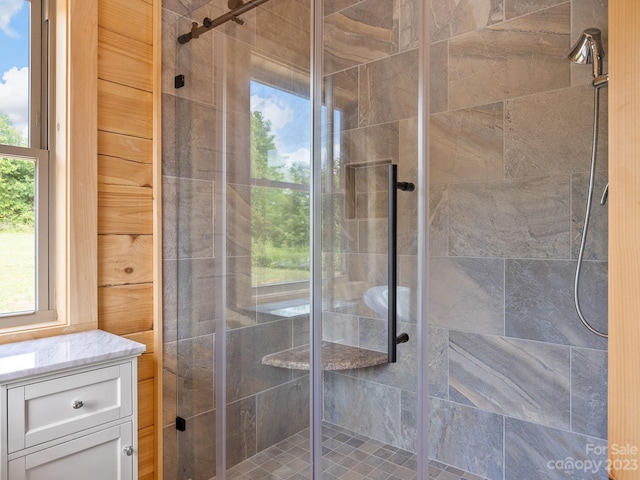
point(291, 193)
point(312, 162)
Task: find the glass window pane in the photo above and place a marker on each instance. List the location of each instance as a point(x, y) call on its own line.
point(17, 235)
point(14, 73)
point(280, 157)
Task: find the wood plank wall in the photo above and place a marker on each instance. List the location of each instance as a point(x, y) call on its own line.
point(127, 217)
point(624, 231)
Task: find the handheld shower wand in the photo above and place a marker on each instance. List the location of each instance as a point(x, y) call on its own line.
point(589, 49)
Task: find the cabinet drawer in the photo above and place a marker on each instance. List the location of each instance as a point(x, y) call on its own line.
point(50, 409)
point(99, 456)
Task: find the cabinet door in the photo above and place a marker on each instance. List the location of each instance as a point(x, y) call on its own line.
point(99, 456)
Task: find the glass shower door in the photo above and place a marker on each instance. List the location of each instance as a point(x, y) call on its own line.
point(270, 372)
point(368, 241)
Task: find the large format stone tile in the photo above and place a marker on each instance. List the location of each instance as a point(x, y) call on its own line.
point(550, 133)
point(449, 19)
point(195, 377)
point(246, 375)
point(466, 438)
point(589, 14)
point(197, 447)
point(409, 24)
point(169, 46)
point(195, 61)
point(196, 294)
point(360, 34)
point(540, 306)
point(283, 39)
point(510, 59)
point(467, 145)
point(169, 151)
point(365, 407)
point(341, 91)
point(241, 430)
point(169, 300)
point(535, 451)
point(240, 304)
point(408, 421)
point(169, 383)
point(389, 89)
point(238, 215)
point(526, 380)
point(511, 218)
point(517, 8)
point(438, 362)
point(170, 451)
point(332, 6)
point(589, 392)
point(187, 214)
point(198, 140)
point(467, 294)
point(439, 77)
point(597, 244)
point(340, 328)
point(403, 373)
point(438, 220)
point(282, 411)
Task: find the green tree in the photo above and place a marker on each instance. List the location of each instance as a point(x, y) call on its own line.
point(279, 216)
point(17, 182)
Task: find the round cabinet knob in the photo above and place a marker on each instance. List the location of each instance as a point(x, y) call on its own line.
point(128, 450)
point(77, 404)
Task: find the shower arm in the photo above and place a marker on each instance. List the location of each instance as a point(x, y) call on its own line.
point(208, 24)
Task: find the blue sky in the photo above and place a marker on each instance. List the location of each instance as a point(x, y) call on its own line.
point(290, 119)
point(14, 59)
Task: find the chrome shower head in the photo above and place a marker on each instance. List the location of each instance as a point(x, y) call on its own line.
point(589, 49)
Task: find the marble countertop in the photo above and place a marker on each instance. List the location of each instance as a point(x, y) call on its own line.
point(20, 360)
point(335, 356)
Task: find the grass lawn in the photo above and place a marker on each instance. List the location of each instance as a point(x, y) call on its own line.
point(267, 275)
point(17, 277)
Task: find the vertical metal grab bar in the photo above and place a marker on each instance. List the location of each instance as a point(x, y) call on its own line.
point(392, 283)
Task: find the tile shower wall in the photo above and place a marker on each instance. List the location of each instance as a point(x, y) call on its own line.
point(371, 79)
point(264, 404)
point(515, 380)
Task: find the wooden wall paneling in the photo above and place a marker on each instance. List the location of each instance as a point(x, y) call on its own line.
point(129, 197)
point(118, 171)
point(124, 109)
point(145, 337)
point(126, 308)
point(124, 60)
point(125, 259)
point(157, 229)
point(131, 148)
point(125, 210)
point(146, 366)
point(130, 18)
point(624, 231)
point(146, 445)
point(146, 403)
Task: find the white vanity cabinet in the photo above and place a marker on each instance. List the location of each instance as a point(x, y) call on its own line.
point(76, 420)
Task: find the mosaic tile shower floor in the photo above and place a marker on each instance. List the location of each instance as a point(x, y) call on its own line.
point(346, 456)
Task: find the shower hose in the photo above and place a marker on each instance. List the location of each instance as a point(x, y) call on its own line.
point(585, 228)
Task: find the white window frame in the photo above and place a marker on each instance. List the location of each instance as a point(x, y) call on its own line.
point(39, 152)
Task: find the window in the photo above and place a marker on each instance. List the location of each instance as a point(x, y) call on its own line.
point(25, 270)
point(280, 168)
